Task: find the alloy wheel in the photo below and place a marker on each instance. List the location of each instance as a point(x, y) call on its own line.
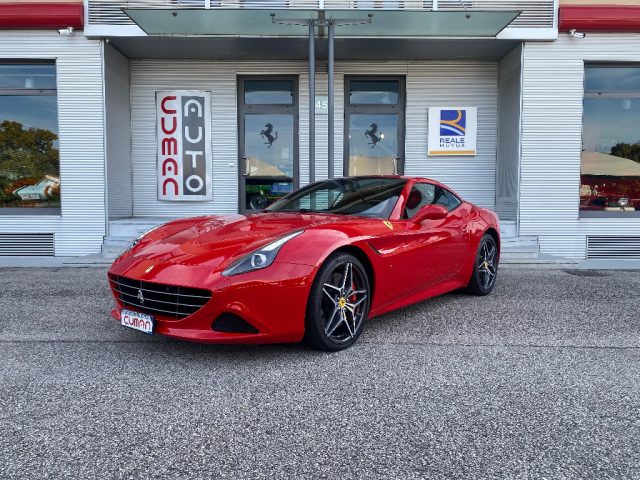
point(344, 302)
point(486, 263)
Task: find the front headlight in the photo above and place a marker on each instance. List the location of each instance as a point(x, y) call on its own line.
point(133, 243)
point(259, 259)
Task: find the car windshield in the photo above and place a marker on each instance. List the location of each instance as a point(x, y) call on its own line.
point(363, 196)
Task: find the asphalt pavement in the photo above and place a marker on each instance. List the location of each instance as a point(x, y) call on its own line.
point(541, 379)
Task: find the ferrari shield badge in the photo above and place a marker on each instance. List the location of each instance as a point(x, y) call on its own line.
point(388, 224)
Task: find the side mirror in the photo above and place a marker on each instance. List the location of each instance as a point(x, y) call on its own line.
point(430, 212)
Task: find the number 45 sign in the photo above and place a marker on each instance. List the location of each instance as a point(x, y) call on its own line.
point(322, 105)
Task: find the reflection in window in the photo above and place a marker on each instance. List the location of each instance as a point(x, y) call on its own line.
point(28, 76)
point(373, 144)
point(29, 156)
point(612, 79)
point(446, 199)
point(610, 165)
point(362, 196)
point(421, 194)
point(269, 92)
point(260, 193)
point(426, 194)
point(269, 152)
point(374, 92)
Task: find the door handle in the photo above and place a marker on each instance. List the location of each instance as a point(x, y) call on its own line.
point(395, 165)
point(246, 166)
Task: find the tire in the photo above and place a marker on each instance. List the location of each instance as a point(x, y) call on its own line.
point(338, 304)
point(485, 267)
point(258, 202)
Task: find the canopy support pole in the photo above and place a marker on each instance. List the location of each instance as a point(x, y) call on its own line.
point(312, 101)
point(331, 112)
point(312, 24)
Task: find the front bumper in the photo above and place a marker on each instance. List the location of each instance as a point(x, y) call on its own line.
point(272, 300)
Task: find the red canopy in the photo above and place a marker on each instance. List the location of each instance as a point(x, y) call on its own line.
point(41, 15)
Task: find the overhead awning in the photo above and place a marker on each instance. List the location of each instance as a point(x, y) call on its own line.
point(241, 22)
point(49, 15)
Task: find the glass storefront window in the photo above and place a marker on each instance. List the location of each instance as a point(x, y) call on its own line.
point(610, 165)
point(373, 144)
point(374, 92)
point(612, 79)
point(29, 151)
point(269, 149)
point(28, 76)
point(269, 92)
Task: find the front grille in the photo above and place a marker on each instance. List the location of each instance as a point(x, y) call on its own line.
point(156, 298)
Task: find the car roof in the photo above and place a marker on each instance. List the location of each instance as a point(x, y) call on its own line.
point(408, 178)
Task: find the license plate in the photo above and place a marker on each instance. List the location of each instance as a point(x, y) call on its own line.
point(137, 321)
point(30, 196)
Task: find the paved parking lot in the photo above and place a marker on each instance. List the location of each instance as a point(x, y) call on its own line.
point(539, 380)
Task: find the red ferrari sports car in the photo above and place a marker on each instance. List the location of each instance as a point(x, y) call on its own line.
point(314, 265)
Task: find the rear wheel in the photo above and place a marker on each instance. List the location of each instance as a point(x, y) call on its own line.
point(258, 202)
point(485, 267)
point(338, 303)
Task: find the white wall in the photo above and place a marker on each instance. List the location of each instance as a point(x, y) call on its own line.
point(118, 133)
point(551, 141)
point(149, 76)
point(465, 83)
point(80, 227)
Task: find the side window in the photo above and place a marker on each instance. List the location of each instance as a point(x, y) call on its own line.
point(445, 198)
point(421, 194)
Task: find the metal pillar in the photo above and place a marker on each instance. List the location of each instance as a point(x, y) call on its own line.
point(312, 101)
point(330, 119)
point(312, 23)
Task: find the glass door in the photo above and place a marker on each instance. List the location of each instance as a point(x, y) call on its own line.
point(374, 126)
point(268, 141)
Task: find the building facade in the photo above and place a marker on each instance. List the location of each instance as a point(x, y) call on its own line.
point(150, 110)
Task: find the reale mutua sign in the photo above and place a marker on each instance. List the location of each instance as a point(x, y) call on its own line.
point(452, 130)
point(184, 145)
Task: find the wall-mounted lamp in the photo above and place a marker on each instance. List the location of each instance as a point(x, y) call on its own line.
point(575, 34)
point(66, 31)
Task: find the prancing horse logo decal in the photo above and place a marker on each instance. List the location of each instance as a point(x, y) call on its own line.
point(266, 134)
point(140, 297)
point(373, 134)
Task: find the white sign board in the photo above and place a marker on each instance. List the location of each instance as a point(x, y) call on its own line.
point(184, 145)
point(452, 130)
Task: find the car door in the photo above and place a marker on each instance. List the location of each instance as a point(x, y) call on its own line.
point(433, 250)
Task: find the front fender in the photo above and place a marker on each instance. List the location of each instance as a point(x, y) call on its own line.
point(315, 246)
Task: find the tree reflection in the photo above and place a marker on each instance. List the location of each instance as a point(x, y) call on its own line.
point(627, 150)
point(29, 166)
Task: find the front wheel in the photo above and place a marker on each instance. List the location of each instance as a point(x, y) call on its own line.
point(485, 267)
point(338, 304)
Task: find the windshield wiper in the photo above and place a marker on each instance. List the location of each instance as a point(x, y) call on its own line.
point(296, 210)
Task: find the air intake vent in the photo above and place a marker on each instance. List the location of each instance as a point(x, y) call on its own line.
point(613, 247)
point(26, 244)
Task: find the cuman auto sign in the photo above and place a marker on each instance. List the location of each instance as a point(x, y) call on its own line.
point(184, 145)
point(452, 130)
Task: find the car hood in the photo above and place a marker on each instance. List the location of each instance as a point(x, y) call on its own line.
point(219, 240)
